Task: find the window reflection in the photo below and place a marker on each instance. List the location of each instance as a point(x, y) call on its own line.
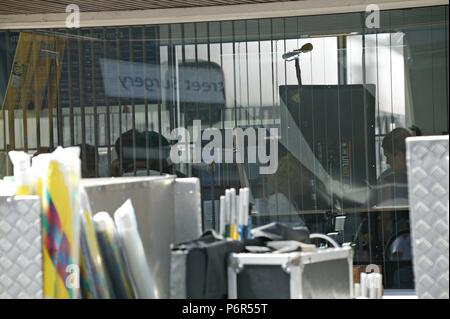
point(341, 135)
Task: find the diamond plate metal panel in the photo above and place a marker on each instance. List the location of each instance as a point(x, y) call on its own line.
point(20, 248)
point(428, 182)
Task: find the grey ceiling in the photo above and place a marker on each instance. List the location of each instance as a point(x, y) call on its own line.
point(58, 6)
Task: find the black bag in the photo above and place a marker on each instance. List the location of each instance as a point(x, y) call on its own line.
point(199, 267)
point(279, 231)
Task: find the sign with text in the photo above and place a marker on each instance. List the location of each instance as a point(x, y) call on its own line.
point(135, 80)
point(131, 79)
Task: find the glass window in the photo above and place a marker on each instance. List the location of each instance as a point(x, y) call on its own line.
point(322, 137)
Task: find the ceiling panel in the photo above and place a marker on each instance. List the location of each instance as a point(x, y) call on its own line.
point(59, 6)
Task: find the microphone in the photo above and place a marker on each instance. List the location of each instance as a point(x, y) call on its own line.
point(304, 49)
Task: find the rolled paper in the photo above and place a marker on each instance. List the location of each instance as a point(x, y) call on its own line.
point(126, 223)
point(94, 281)
point(113, 256)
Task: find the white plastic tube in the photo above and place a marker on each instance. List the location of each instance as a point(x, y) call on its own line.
point(357, 292)
point(363, 284)
point(126, 224)
point(222, 216)
point(233, 206)
point(39, 166)
point(377, 283)
point(371, 285)
point(245, 203)
point(227, 207)
point(22, 172)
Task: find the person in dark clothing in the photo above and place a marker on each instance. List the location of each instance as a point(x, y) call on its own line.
point(138, 151)
point(392, 184)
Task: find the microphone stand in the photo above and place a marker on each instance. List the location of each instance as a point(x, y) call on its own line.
point(298, 72)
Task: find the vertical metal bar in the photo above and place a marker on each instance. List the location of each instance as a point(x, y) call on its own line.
point(11, 119)
point(69, 84)
point(314, 178)
point(286, 82)
point(59, 112)
point(172, 64)
point(235, 89)
point(94, 102)
point(50, 106)
point(197, 103)
point(197, 114)
point(432, 66)
point(379, 146)
point(446, 64)
point(342, 59)
point(223, 116)
point(324, 149)
point(144, 65)
point(25, 105)
point(213, 165)
point(52, 73)
point(234, 71)
point(259, 65)
point(133, 107)
point(119, 104)
point(260, 95)
point(5, 119)
point(174, 78)
point(37, 114)
point(302, 204)
point(172, 103)
point(108, 112)
point(246, 71)
point(272, 52)
point(82, 100)
point(221, 65)
point(158, 62)
point(183, 108)
point(366, 137)
point(392, 125)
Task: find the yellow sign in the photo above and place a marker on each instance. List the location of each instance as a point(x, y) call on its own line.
point(34, 76)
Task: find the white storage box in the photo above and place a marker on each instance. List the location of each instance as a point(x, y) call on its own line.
point(325, 274)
